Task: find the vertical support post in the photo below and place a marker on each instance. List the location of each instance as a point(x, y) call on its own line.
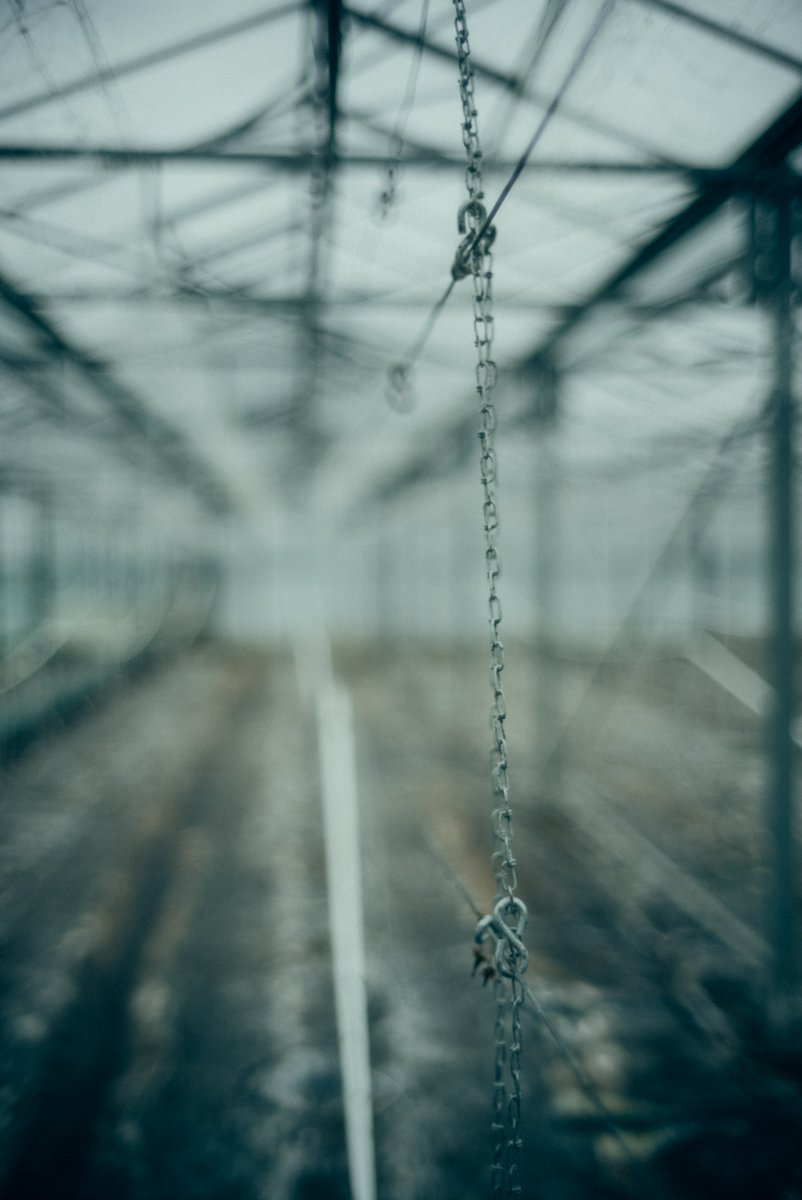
point(782, 642)
point(547, 695)
point(41, 579)
point(704, 570)
point(382, 589)
point(547, 682)
point(4, 584)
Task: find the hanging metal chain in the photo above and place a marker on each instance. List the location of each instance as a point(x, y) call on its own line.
point(505, 925)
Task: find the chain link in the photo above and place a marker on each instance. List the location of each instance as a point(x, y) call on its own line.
point(474, 257)
point(498, 1124)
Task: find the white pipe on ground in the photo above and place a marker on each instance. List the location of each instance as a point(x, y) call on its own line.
point(343, 866)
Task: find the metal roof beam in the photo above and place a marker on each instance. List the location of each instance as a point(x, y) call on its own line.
point(203, 205)
point(758, 164)
point(233, 246)
point(129, 158)
point(286, 304)
point(767, 152)
point(725, 32)
point(164, 441)
point(327, 34)
point(407, 38)
point(516, 85)
point(154, 58)
point(328, 49)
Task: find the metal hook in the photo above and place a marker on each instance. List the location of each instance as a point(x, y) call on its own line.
point(511, 955)
point(475, 209)
point(512, 903)
point(471, 217)
point(462, 262)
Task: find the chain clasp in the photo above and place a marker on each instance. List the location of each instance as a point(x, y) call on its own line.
point(471, 216)
point(510, 954)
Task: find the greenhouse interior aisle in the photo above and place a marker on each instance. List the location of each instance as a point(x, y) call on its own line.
point(314, 313)
point(168, 1015)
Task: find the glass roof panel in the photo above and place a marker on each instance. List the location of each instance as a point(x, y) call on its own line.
point(229, 301)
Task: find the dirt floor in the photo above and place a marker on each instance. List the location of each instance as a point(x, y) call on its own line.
point(168, 1023)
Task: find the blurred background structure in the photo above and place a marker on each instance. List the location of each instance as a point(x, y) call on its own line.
point(223, 230)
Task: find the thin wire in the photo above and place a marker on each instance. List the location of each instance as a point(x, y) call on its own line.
point(430, 324)
point(554, 103)
point(549, 20)
point(578, 1071)
point(412, 355)
point(103, 69)
point(39, 64)
point(397, 138)
point(287, 101)
point(703, 500)
point(106, 79)
point(581, 1076)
